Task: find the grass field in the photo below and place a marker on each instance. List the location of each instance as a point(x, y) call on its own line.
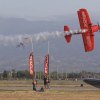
point(60, 90)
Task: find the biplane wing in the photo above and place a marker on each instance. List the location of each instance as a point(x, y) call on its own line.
point(85, 23)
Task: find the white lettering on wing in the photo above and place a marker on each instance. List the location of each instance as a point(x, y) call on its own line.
point(84, 20)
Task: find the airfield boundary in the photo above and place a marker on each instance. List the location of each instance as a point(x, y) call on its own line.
point(65, 90)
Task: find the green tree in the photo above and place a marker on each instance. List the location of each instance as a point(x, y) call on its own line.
point(13, 73)
point(5, 74)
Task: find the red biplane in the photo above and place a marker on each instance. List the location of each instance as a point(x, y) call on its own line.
point(87, 30)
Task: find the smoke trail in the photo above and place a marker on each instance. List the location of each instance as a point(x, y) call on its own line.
point(15, 39)
point(47, 35)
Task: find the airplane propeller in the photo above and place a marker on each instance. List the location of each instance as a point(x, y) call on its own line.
point(98, 26)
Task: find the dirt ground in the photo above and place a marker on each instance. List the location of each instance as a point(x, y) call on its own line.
point(49, 95)
point(19, 90)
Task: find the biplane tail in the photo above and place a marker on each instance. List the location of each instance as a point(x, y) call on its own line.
point(67, 36)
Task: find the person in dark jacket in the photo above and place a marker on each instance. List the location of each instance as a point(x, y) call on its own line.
point(48, 83)
point(41, 90)
point(45, 83)
point(34, 85)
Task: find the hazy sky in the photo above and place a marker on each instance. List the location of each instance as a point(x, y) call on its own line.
point(41, 9)
point(45, 8)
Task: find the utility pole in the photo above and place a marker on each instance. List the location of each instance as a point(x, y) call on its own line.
point(62, 73)
point(57, 73)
